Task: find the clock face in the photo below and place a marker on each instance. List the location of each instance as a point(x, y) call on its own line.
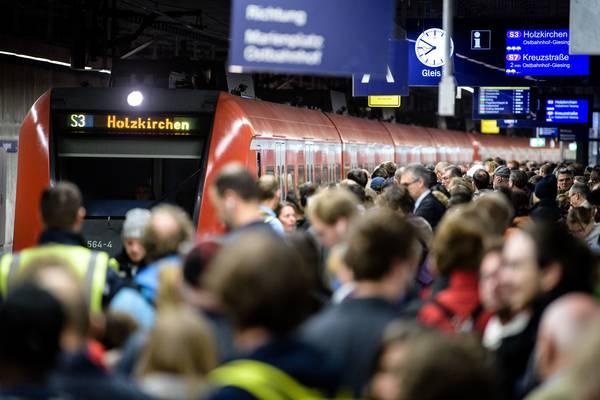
point(429, 47)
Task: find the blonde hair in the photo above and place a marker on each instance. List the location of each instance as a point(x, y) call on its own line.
point(331, 205)
point(181, 343)
point(169, 286)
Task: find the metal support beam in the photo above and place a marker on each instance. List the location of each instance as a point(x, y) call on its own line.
point(447, 87)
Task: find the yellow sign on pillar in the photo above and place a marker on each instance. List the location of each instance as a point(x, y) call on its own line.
point(489, 126)
point(384, 101)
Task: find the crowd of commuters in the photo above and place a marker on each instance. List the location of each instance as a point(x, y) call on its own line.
point(408, 282)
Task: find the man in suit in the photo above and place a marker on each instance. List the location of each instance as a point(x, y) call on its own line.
point(416, 178)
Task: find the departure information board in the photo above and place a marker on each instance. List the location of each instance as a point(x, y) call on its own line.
point(567, 111)
point(501, 103)
point(542, 52)
point(150, 124)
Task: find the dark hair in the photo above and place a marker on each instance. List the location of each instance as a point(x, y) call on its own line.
point(396, 198)
point(520, 202)
point(378, 240)
point(455, 172)
point(306, 190)
point(555, 244)
point(261, 283)
point(358, 191)
point(60, 204)
point(32, 322)
point(519, 178)
point(236, 178)
point(580, 215)
point(460, 197)
point(460, 360)
point(380, 171)
point(582, 188)
point(359, 176)
point(196, 261)
point(481, 178)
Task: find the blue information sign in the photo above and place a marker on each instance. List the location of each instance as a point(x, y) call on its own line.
point(566, 111)
point(501, 103)
point(542, 52)
point(333, 37)
point(393, 82)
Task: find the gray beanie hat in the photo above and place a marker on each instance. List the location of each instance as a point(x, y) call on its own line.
point(136, 220)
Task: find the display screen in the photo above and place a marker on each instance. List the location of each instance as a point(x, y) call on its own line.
point(542, 52)
point(566, 111)
point(146, 124)
point(501, 103)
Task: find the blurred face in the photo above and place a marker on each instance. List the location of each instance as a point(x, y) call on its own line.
point(222, 205)
point(575, 199)
point(414, 186)
point(446, 178)
point(134, 249)
point(520, 277)
point(288, 218)
point(329, 235)
point(565, 181)
point(580, 230)
point(387, 380)
point(489, 281)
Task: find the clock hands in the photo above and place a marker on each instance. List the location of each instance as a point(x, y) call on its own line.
point(430, 50)
point(428, 44)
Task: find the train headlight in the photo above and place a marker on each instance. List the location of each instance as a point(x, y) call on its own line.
point(135, 98)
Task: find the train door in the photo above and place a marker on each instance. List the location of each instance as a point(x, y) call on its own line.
point(280, 167)
point(310, 161)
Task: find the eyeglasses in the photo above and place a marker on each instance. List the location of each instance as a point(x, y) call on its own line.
point(407, 184)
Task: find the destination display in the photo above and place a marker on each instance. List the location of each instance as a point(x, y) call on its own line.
point(501, 103)
point(542, 52)
point(133, 123)
point(566, 111)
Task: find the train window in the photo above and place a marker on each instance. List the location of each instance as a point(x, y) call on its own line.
point(142, 182)
point(270, 170)
point(291, 178)
point(317, 172)
point(325, 174)
point(338, 172)
point(301, 177)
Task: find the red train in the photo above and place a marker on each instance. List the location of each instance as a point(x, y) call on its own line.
point(170, 146)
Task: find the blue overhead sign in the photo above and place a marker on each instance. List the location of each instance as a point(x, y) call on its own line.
point(333, 37)
point(393, 82)
point(542, 52)
point(566, 111)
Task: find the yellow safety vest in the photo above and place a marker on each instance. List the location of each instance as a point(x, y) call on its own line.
point(90, 265)
point(262, 381)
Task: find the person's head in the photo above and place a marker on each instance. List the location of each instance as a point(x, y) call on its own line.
point(330, 212)
point(481, 179)
point(564, 179)
point(380, 172)
point(489, 278)
point(545, 188)
point(518, 179)
point(168, 228)
point(520, 202)
point(594, 178)
point(396, 198)
point(359, 176)
point(235, 195)
point(580, 221)
point(306, 191)
point(386, 381)
point(578, 194)
point(499, 208)
point(288, 215)
point(56, 275)
point(501, 177)
point(261, 284)
point(181, 343)
point(541, 262)
point(355, 189)
point(61, 207)
point(450, 172)
point(377, 184)
point(459, 241)
point(563, 325)
point(383, 248)
point(513, 165)
point(270, 192)
point(416, 179)
point(460, 360)
point(133, 228)
point(439, 170)
point(390, 167)
point(32, 323)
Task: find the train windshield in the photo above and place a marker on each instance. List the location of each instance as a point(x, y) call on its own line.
point(124, 168)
